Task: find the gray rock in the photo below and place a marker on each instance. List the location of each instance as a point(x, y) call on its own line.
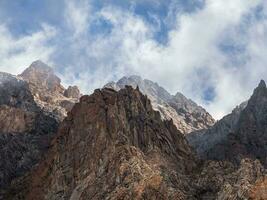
point(186, 114)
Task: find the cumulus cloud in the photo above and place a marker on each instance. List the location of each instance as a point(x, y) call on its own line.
point(17, 53)
point(191, 61)
point(215, 54)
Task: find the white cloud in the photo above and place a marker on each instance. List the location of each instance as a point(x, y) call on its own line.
point(77, 16)
point(18, 53)
point(191, 61)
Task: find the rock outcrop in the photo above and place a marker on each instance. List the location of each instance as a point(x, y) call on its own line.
point(241, 134)
point(25, 131)
point(31, 107)
point(186, 114)
point(72, 92)
point(223, 180)
point(113, 145)
point(205, 139)
point(47, 90)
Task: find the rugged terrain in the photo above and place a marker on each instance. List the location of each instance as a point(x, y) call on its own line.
point(186, 114)
point(47, 90)
point(121, 144)
point(113, 145)
point(31, 108)
point(241, 134)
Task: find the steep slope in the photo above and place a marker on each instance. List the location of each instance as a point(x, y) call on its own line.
point(25, 130)
point(249, 139)
point(206, 139)
point(31, 107)
point(47, 90)
point(113, 145)
point(186, 114)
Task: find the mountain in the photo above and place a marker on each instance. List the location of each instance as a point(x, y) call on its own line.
point(205, 139)
point(25, 130)
point(249, 138)
point(47, 90)
point(113, 145)
point(186, 114)
point(31, 107)
point(241, 134)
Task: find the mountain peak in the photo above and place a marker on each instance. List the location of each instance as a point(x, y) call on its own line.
point(40, 66)
point(41, 75)
point(187, 114)
point(262, 84)
point(259, 92)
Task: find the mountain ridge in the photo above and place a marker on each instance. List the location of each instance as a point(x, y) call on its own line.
point(186, 114)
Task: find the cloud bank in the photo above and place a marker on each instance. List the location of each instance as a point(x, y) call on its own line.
point(214, 53)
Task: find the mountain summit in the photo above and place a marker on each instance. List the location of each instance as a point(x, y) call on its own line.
point(47, 90)
point(186, 114)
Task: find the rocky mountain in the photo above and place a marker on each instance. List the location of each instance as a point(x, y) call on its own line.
point(186, 114)
point(31, 107)
point(249, 137)
point(205, 139)
point(25, 130)
point(113, 145)
point(47, 90)
point(241, 134)
point(117, 143)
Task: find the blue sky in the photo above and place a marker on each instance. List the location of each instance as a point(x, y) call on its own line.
point(213, 51)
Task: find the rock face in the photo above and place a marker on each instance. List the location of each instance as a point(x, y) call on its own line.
point(25, 131)
point(249, 138)
point(113, 145)
point(204, 140)
point(47, 90)
point(31, 107)
point(186, 114)
point(72, 92)
point(223, 180)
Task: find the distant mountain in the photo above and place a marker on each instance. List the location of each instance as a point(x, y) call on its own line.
point(31, 107)
point(205, 139)
point(241, 134)
point(186, 114)
point(249, 137)
point(47, 90)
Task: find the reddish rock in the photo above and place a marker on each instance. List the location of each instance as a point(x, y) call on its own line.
point(113, 145)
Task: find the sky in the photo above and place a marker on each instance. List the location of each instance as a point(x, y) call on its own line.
point(213, 51)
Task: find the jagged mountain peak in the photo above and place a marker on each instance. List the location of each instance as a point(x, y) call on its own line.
point(186, 114)
point(40, 65)
point(41, 75)
point(262, 84)
point(259, 93)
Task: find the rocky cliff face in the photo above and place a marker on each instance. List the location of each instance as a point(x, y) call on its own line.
point(249, 138)
point(205, 139)
point(47, 90)
point(25, 131)
point(31, 107)
point(186, 114)
point(113, 145)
